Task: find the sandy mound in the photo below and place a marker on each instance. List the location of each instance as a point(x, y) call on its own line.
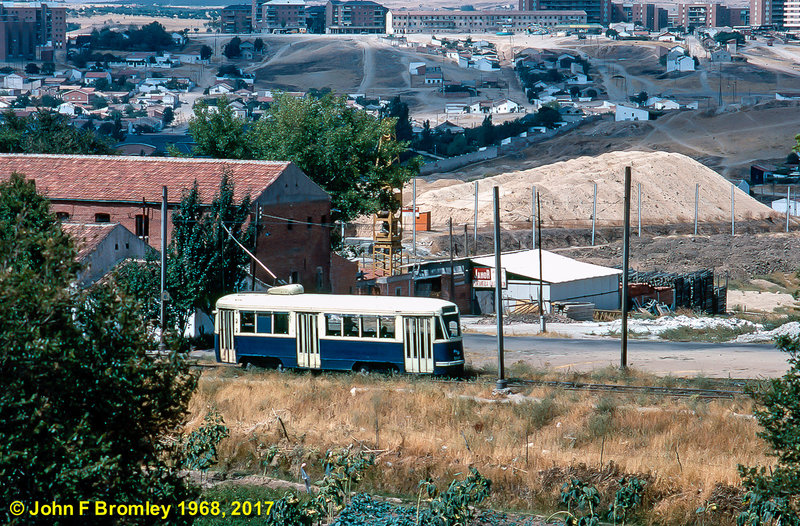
point(668, 190)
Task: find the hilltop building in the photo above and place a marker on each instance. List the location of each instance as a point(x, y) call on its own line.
point(236, 19)
point(405, 22)
point(597, 11)
point(355, 17)
point(31, 30)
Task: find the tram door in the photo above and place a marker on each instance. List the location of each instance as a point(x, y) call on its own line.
point(418, 344)
point(227, 349)
point(307, 340)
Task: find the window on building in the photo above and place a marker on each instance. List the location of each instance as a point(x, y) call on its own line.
point(309, 222)
point(142, 226)
point(62, 216)
point(102, 218)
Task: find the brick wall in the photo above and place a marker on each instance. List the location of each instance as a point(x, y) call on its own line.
point(296, 249)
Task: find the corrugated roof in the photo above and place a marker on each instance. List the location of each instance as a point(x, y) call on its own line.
point(120, 178)
point(555, 268)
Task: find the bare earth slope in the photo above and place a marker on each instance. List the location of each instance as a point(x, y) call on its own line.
point(668, 189)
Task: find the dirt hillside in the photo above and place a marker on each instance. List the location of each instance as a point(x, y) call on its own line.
point(668, 192)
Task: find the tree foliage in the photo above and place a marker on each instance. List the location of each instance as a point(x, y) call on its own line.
point(83, 409)
point(233, 48)
point(150, 37)
point(48, 132)
point(218, 132)
point(774, 497)
point(349, 153)
point(203, 262)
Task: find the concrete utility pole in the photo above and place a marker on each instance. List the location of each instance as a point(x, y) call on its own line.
point(414, 217)
point(475, 221)
point(594, 211)
point(498, 291)
point(733, 221)
point(163, 314)
point(533, 218)
point(466, 241)
point(788, 202)
point(639, 215)
point(542, 322)
point(696, 205)
point(452, 274)
point(626, 243)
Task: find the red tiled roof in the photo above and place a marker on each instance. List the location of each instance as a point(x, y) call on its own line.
point(131, 179)
point(87, 236)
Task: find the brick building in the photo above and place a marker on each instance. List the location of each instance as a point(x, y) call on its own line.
point(283, 15)
point(702, 15)
point(28, 27)
point(649, 16)
point(597, 11)
point(293, 212)
point(236, 19)
point(405, 22)
point(354, 17)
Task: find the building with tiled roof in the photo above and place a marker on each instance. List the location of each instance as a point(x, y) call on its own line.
point(293, 211)
point(101, 246)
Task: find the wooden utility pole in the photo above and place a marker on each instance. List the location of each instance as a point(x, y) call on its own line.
point(163, 314)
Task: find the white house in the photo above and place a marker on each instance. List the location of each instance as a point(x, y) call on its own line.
point(579, 79)
point(416, 68)
point(67, 108)
point(659, 103)
point(485, 64)
point(630, 113)
point(497, 106)
point(780, 206)
point(456, 108)
point(680, 63)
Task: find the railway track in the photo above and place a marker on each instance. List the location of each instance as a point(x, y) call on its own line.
point(678, 392)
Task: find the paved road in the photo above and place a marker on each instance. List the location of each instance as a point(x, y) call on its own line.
point(675, 358)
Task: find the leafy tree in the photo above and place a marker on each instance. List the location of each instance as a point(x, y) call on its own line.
point(84, 410)
point(31, 68)
point(398, 109)
point(458, 146)
point(612, 33)
point(486, 132)
point(101, 84)
point(640, 98)
point(773, 497)
point(203, 262)
point(168, 116)
point(218, 132)
point(48, 132)
point(48, 68)
point(258, 45)
point(206, 52)
point(349, 153)
point(233, 48)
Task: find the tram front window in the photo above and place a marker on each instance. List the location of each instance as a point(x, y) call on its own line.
point(451, 325)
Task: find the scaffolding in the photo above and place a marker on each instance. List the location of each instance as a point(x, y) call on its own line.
point(387, 239)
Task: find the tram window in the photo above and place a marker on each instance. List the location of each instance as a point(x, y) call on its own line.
point(350, 326)
point(386, 327)
point(264, 323)
point(451, 323)
point(247, 321)
point(281, 323)
point(333, 325)
point(439, 333)
point(369, 326)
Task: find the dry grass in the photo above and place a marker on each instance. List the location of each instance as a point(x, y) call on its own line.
point(425, 428)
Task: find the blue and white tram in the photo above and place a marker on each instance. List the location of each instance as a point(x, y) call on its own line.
point(339, 332)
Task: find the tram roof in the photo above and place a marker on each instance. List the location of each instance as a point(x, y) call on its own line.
point(332, 303)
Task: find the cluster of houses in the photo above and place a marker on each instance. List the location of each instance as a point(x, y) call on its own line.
point(96, 94)
point(575, 86)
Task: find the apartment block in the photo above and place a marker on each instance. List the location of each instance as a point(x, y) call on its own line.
point(236, 19)
point(354, 17)
point(405, 22)
point(703, 15)
point(597, 11)
point(283, 15)
point(772, 12)
point(26, 27)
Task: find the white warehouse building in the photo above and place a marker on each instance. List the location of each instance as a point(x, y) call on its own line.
point(563, 280)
